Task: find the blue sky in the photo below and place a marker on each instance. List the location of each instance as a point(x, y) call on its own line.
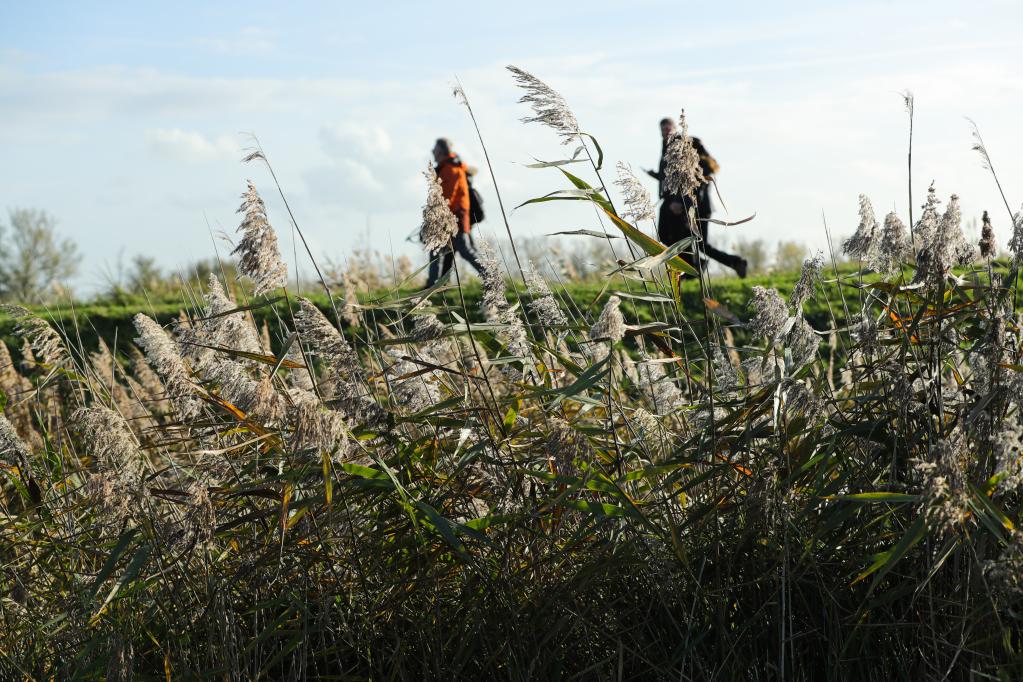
point(124, 121)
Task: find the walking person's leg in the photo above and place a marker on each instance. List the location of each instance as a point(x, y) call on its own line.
point(447, 261)
point(434, 271)
point(463, 245)
point(737, 263)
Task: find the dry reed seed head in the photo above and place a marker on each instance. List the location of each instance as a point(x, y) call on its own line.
point(1008, 445)
point(1016, 241)
point(664, 394)
point(200, 521)
point(543, 306)
point(427, 328)
point(683, 174)
point(43, 339)
point(350, 312)
point(1006, 572)
point(10, 380)
point(947, 248)
point(644, 423)
point(637, 199)
point(28, 358)
point(761, 370)
point(926, 228)
point(13, 450)
point(865, 332)
point(862, 243)
point(112, 444)
point(439, 223)
point(514, 334)
point(549, 107)
point(146, 378)
point(950, 233)
point(319, 428)
point(564, 446)
point(725, 377)
point(944, 498)
point(411, 391)
point(227, 329)
point(987, 238)
point(770, 313)
point(801, 341)
point(163, 355)
point(298, 377)
point(257, 398)
point(326, 342)
point(894, 247)
point(610, 325)
point(493, 300)
point(809, 278)
point(259, 255)
point(801, 401)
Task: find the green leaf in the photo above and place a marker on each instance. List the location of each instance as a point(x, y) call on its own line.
point(111, 562)
point(585, 233)
point(600, 152)
point(885, 561)
point(511, 415)
point(647, 243)
point(133, 569)
point(598, 508)
point(443, 526)
point(874, 497)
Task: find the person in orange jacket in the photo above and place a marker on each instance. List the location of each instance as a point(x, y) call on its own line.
point(455, 185)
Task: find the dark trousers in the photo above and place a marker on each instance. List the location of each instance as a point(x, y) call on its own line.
point(673, 228)
point(442, 261)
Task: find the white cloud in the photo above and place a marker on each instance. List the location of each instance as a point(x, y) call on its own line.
point(191, 147)
point(352, 139)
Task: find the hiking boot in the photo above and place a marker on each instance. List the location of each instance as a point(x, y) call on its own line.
point(740, 268)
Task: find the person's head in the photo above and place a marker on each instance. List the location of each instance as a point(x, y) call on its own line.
point(667, 128)
point(441, 149)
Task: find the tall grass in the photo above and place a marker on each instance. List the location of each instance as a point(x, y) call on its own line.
point(546, 489)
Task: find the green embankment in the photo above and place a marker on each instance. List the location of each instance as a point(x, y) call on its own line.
point(113, 321)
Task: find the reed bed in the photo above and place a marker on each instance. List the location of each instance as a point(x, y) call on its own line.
point(544, 488)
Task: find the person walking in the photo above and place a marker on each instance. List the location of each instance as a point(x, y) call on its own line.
point(673, 222)
point(455, 186)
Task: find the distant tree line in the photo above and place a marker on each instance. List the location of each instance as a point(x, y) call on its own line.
point(35, 261)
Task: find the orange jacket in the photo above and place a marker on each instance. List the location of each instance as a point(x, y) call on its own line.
point(456, 187)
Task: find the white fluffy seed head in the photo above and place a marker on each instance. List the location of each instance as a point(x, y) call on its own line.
point(549, 107)
point(863, 241)
point(543, 306)
point(683, 174)
point(809, 277)
point(259, 257)
point(439, 223)
point(894, 247)
point(164, 357)
point(770, 312)
point(637, 199)
point(610, 326)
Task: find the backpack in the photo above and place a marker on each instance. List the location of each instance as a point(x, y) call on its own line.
point(475, 204)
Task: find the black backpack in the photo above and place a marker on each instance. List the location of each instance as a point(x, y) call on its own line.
point(475, 204)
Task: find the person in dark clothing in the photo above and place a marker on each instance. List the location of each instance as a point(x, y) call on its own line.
point(673, 223)
point(455, 185)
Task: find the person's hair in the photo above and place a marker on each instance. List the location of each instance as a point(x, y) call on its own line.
point(669, 121)
point(444, 144)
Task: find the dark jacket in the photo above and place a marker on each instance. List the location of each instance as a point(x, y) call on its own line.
point(708, 165)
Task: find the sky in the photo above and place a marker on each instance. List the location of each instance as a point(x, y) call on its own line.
point(128, 121)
